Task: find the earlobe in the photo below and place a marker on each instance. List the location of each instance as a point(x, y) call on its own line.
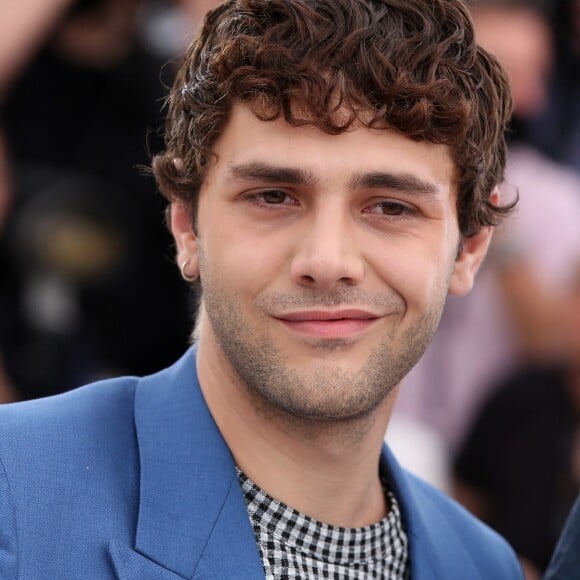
point(185, 241)
point(472, 253)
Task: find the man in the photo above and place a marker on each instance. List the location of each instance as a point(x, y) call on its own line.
point(331, 167)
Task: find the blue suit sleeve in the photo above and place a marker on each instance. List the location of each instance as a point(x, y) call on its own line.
point(8, 537)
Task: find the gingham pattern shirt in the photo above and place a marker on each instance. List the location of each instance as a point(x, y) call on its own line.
point(294, 545)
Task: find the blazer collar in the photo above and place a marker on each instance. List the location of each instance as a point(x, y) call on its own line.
point(192, 519)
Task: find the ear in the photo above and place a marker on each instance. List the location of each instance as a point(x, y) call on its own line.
point(472, 254)
point(185, 239)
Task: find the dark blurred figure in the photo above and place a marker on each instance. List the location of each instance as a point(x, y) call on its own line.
point(7, 392)
point(556, 131)
point(519, 468)
point(92, 289)
point(5, 187)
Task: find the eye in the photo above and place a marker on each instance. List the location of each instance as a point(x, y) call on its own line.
point(273, 197)
point(391, 208)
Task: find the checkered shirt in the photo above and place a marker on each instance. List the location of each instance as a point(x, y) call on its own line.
point(294, 545)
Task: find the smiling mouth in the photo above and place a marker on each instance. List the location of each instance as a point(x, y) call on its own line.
point(330, 325)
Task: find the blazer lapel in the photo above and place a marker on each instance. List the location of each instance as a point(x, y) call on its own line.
point(130, 565)
point(192, 520)
point(435, 550)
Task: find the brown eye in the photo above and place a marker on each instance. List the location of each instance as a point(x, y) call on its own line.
point(391, 208)
point(274, 197)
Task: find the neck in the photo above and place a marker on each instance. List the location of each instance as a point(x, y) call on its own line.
point(327, 470)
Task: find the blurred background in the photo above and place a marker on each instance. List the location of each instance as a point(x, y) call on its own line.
point(89, 289)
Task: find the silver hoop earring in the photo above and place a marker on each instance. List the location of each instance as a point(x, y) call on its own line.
point(184, 274)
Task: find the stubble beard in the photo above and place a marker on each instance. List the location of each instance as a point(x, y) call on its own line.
point(325, 393)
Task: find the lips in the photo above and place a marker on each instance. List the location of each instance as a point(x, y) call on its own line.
point(328, 315)
point(329, 324)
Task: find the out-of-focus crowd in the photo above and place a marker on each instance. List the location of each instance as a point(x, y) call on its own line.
point(88, 288)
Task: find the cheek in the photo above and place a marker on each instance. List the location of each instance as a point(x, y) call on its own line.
point(239, 264)
point(419, 275)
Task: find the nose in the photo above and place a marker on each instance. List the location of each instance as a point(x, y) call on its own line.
point(328, 252)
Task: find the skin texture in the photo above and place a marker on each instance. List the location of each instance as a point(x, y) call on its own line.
point(322, 286)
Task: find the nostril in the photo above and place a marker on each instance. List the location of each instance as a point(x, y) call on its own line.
point(308, 279)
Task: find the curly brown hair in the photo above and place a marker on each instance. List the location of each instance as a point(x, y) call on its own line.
point(413, 65)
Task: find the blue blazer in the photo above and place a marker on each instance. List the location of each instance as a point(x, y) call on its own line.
point(565, 563)
point(130, 479)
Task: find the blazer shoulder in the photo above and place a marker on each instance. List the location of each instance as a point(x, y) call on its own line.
point(100, 396)
point(460, 537)
point(84, 418)
point(66, 463)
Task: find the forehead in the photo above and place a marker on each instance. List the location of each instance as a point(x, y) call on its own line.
point(246, 140)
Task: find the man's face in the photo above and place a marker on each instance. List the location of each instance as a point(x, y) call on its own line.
point(324, 260)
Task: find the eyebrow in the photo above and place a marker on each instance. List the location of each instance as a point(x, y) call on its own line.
point(403, 182)
point(271, 173)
